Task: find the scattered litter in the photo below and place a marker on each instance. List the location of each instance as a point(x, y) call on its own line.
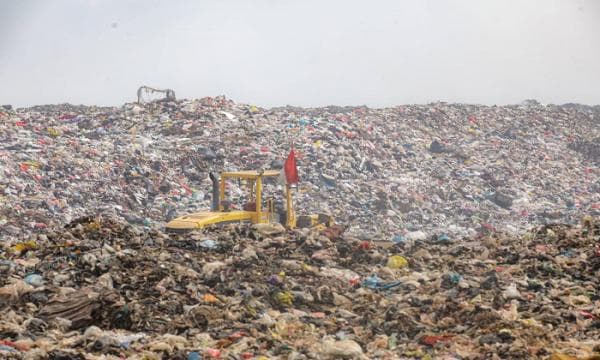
point(464, 232)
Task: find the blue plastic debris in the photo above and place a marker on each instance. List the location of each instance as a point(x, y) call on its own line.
point(194, 355)
point(34, 280)
point(567, 253)
point(7, 348)
point(455, 278)
point(398, 239)
point(443, 238)
point(7, 264)
point(374, 282)
point(371, 282)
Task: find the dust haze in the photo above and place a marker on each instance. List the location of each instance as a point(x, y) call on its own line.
point(305, 53)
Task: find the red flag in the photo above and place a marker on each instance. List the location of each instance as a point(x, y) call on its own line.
point(289, 168)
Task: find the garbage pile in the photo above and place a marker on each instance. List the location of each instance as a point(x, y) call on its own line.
point(590, 149)
point(101, 289)
point(436, 169)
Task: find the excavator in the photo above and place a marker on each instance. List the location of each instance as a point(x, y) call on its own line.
point(257, 210)
point(147, 90)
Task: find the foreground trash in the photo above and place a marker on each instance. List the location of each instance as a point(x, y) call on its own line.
point(105, 289)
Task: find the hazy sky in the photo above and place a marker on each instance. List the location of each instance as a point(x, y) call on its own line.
point(301, 52)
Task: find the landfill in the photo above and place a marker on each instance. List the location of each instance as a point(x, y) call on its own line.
point(463, 232)
point(100, 289)
point(439, 168)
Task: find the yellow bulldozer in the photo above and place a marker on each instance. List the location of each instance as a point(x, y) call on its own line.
point(257, 210)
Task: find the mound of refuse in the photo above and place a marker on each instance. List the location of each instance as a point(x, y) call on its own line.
point(99, 288)
point(437, 169)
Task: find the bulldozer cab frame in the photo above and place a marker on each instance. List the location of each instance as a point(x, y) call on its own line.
point(255, 180)
point(254, 211)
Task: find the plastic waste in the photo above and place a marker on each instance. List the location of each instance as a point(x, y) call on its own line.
point(374, 282)
point(194, 355)
point(443, 238)
point(398, 239)
point(397, 262)
point(344, 349)
point(84, 208)
point(209, 244)
point(511, 292)
point(7, 348)
point(284, 298)
point(212, 353)
point(34, 280)
point(416, 236)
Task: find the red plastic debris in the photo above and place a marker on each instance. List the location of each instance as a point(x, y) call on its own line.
point(524, 213)
point(364, 245)
point(488, 227)
point(213, 353)
point(237, 335)
point(587, 315)
point(431, 340)
point(20, 347)
point(318, 315)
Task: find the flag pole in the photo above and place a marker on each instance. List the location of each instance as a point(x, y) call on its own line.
point(291, 214)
